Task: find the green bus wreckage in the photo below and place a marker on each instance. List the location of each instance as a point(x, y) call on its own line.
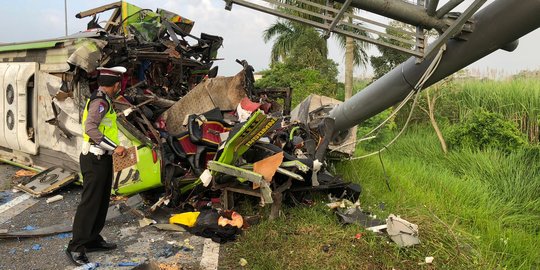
point(195, 131)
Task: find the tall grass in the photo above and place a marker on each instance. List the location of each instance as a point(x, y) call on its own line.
point(475, 209)
point(490, 200)
point(516, 99)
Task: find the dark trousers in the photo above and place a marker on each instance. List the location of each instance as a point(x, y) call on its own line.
point(92, 210)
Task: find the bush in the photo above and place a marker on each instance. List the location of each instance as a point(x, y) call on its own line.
point(482, 130)
point(304, 81)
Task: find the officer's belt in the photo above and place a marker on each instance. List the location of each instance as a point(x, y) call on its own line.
point(97, 150)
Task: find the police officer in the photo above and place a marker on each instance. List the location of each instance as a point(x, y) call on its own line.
point(100, 142)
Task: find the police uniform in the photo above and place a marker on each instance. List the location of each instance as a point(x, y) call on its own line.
point(100, 136)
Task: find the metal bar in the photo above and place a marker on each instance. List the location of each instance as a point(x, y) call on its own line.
point(420, 33)
point(277, 13)
point(447, 8)
point(314, 14)
point(235, 171)
point(313, 4)
point(322, 26)
point(380, 33)
point(93, 11)
point(432, 7)
point(20, 165)
point(360, 18)
point(354, 16)
point(244, 191)
point(496, 25)
point(377, 42)
point(65, 16)
point(338, 17)
point(114, 20)
point(401, 11)
point(454, 28)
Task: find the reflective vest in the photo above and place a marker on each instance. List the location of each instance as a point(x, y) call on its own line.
point(108, 126)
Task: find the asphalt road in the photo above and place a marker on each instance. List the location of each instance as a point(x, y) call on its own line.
point(136, 245)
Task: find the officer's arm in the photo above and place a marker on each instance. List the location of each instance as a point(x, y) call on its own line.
point(96, 111)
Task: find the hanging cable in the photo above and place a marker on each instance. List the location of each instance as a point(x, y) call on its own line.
point(415, 92)
point(386, 177)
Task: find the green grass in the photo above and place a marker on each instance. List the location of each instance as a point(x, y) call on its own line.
point(492, 199)
point(475, 209)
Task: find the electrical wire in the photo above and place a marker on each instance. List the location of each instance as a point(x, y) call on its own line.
point(416, 93)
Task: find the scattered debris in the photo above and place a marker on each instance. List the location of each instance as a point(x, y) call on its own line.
point(377, 229)
point(169, 266)
point(146, 222)
point(168, 251)
point(187, 245)
point(47, 181)
point(326, 248)
point(36, 247)
point(188, 219)
point(88, 266)
point(127, 264)
point(5, 197)
point(204, 138)
point(169, 227)
point(243, 262)
point(29, 228)
point(351, 213)
point(429, 260)
point(402, 232)
point(54, 198)
point(64, 236)
point(55, 229)
point(151, 266)
point(357, 216)
point(24, 173)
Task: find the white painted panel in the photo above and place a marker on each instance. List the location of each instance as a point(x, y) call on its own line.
point(10, 78)
point(17, 75)
point(49, 136)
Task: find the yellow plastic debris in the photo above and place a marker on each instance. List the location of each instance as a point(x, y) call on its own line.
point(187, 219)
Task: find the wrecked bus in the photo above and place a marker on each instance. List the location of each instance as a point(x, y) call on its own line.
point(190, 128)
point(45, 85)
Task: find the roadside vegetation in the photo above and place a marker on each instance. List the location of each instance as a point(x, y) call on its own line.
point(477, 206)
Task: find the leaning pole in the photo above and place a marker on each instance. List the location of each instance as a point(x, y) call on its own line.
point(497, 26)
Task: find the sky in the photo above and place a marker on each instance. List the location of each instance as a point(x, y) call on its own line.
point(241, 28)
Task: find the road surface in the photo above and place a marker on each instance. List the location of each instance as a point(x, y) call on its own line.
point(137, 245)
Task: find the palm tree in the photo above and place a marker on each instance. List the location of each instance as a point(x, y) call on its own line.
point(355, 55)
point(287, 34)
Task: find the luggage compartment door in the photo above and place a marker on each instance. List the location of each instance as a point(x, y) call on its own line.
point(18, 107)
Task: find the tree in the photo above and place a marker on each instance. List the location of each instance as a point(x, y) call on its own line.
point(432, 94)
point(303, 81)
point(355, 55)
point(391, 58)
point(305, 69)
point(288, 33)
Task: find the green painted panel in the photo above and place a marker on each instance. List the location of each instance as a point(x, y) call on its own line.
point(28, 46)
